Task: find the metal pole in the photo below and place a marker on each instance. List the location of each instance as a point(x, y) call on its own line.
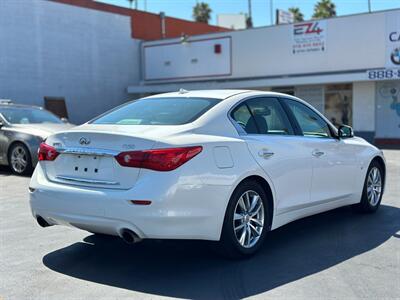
point(162, 18)
point(369, 5)
point(249, 3)
point(272, 12)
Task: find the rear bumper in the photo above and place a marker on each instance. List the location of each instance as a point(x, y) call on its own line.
point(177, 211)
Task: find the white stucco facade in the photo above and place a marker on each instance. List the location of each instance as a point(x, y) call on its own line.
point(89, 58)
point(332, 72)
point(50, 49)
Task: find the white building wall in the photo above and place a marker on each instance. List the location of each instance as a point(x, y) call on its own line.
point(364, 106)
point(353, 43)
point(53, 49)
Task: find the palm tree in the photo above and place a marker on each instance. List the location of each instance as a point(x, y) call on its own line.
point(297, 14)
point(249, 18)
point(324, 9)
point(130, 3)
point(202, 12)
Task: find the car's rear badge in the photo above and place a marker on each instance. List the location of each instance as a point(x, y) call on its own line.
point(84, 141)
point(128, 146)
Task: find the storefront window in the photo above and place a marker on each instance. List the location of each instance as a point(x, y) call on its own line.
point(339, 103)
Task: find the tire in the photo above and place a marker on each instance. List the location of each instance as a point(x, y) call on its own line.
point(232, 244)
point(373, 189)
point(19, 159)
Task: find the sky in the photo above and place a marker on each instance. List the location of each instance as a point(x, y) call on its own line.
point(260, 8)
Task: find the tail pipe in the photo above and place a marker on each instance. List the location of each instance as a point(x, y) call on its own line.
point(42, 222)
point(129, 236)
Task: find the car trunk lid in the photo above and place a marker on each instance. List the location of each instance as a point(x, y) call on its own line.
point(87, 158)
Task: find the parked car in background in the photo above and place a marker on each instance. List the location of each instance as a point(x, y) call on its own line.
point(222, 165)
point(22, 129)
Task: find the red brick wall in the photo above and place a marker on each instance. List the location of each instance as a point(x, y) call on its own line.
point(147, 26)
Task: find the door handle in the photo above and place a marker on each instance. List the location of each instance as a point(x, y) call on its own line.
point(318, 153)
point(265, 153)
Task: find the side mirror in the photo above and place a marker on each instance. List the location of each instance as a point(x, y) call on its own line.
point(345, 132)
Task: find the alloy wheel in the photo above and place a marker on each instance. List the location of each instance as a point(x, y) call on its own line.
point(248, 219)
point(19, 159)
point(374, 186)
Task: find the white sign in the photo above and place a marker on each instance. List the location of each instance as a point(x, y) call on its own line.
point(393, 39)
point(284, 17)
point(383, 74)
point(309, 37)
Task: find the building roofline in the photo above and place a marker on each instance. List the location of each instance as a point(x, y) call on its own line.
point(111, 8)
point(276, 25)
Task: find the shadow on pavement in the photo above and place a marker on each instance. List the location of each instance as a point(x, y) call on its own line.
point(5, 171)
point(189, 269)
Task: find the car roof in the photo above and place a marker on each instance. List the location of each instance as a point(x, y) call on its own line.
point(14, 105)
point(215, 94)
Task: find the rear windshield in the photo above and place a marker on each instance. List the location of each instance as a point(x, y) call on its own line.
point(158, 111)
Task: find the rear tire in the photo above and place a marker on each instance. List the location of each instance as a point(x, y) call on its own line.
point(373, 189)
point(246, 221)
point(19, 159)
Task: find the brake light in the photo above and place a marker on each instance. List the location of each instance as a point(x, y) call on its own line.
point(158, 159)
point(47, 152)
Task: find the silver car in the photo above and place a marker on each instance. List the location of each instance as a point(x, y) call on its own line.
point(22, 129)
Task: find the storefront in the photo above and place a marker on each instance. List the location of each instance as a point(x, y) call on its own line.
point(346, 67)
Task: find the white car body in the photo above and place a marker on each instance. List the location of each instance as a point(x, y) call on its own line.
point(190, 202)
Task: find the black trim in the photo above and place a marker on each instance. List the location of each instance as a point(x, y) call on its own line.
point(292, 119)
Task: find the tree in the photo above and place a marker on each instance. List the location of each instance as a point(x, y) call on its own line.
point(130, 3)
point(249, 18)
point(324, 9)
point(202, 12)
point(297, 15)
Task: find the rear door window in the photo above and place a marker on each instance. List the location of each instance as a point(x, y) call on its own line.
point(269, 116)
point(262, 116)
point(242, 116)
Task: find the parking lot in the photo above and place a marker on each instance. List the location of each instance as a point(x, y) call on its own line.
point(339, 254)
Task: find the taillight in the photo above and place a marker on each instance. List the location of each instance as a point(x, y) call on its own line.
point(47, 152)
point(158, 159)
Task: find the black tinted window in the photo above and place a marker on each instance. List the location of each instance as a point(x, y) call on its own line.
point(262, 116)
point(158, 111)
point(243, 118)
point(269, 116)
point(311, 124)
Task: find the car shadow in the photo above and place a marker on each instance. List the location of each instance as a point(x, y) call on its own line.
point(189, 269)
point(6, 171)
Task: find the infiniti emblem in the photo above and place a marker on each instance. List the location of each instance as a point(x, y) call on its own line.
point(84, 141)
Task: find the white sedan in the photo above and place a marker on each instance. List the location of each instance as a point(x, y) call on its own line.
point(221, 165)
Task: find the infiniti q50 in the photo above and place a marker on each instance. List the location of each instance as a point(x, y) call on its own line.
point(220, 165)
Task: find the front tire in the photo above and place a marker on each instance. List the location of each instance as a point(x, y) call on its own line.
point(373, 189)
point(19, 159)
point(246, 221)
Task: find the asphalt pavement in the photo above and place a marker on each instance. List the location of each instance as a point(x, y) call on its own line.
point(335, 255)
